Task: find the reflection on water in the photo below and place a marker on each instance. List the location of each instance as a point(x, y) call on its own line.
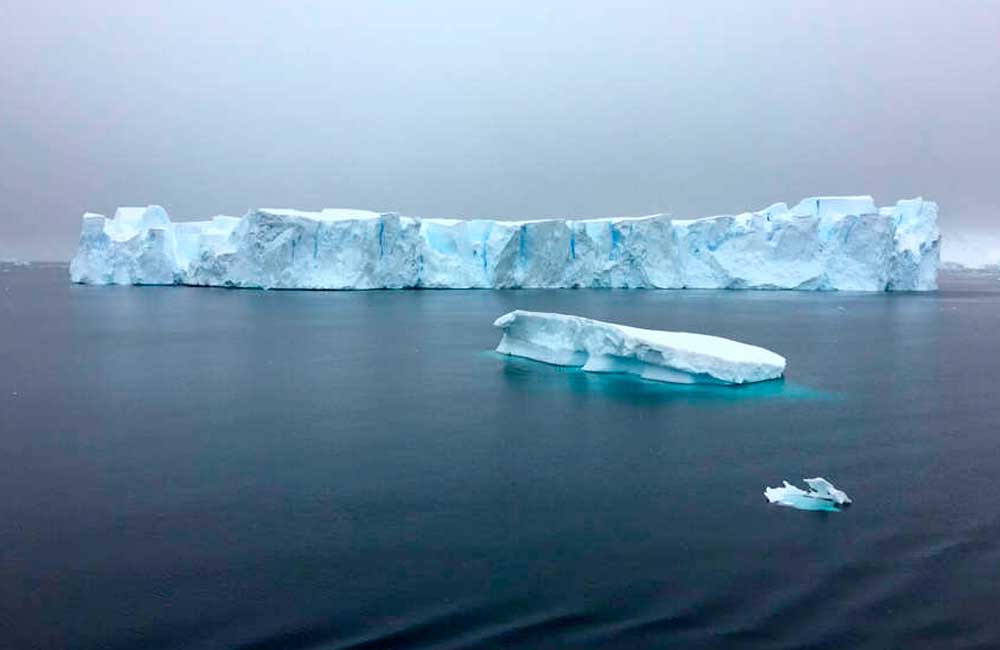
point(528, 374)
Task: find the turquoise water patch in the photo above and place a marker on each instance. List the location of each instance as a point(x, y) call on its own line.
point(536, 375)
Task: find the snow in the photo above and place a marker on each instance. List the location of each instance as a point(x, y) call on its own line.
point(823, 243)
point(596, 346)
point(822, 495)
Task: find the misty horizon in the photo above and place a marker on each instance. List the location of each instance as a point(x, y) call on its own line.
point(516, 112)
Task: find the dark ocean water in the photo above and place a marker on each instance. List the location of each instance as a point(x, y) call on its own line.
point(203, 468)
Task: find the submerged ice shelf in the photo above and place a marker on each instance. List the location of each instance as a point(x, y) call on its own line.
point(596, 346)
point(844, 243)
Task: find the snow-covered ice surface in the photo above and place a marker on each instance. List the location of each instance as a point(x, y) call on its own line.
point(844, 243)
point(822, 495)
point(596, 346)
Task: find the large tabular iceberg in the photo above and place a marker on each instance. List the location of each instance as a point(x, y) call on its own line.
point(596, 346)
point(842, 243)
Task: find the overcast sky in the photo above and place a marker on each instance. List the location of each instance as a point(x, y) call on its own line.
point(510, 109)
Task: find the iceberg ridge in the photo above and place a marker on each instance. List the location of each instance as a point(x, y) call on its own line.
point(824, 243)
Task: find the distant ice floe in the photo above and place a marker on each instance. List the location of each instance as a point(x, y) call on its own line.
point(822, 243)
point(970, 251)
point(822, 495)
point(596, 346)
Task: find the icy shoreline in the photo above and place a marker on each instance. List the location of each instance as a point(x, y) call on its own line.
point(825, 243)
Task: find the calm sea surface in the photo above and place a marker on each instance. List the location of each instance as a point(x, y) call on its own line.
point(205, 468)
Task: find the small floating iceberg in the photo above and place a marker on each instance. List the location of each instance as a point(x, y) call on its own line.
point(822, 495)
point(596, 346)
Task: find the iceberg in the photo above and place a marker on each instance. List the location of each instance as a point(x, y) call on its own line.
point(824, 243)
point(596, 346)
point(822, 495)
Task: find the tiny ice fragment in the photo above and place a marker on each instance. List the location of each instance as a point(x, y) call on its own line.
point(824, 489)
point(822, 495)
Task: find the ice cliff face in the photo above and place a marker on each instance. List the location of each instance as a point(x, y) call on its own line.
point(844, 243)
